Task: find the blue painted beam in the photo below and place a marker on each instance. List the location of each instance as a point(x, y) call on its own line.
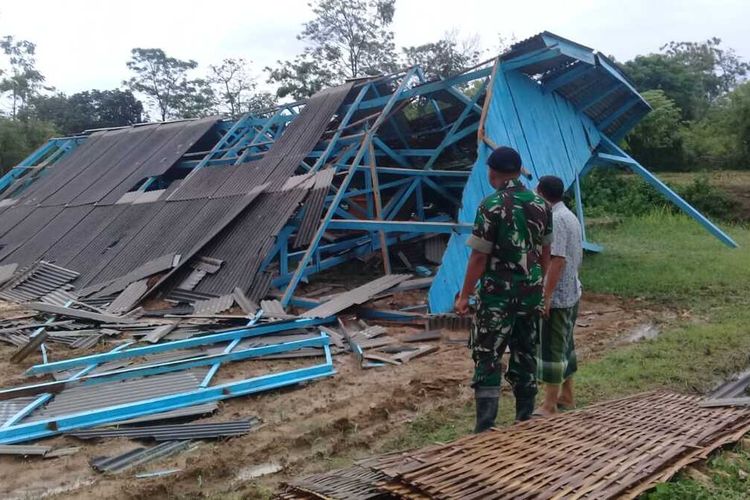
point(428, 88)
point(411, 172)
point(597, 97)
point(385, 148)
point(602, 125)
point(580, 71)
point(390, 226)
point(382, 117)
point(226, 336)
point(535, 57)
point(343, 125)
point(623, 158)
point(570, 48)
point(66, 423)
point(168, 367)
point(442, 191)
point(28, 409)
point(397, 202)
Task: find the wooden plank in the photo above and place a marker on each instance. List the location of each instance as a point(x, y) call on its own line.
point(424, 336)
point(407, 356)
point(335, 336)
point(383, 358)
point(357, 296)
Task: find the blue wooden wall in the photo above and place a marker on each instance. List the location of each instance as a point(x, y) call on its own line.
point(552, 138)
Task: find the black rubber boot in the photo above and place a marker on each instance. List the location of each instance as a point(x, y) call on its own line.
point(487, 400)
point(524, 408)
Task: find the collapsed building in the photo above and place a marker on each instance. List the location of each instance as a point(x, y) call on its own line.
point(266, 200)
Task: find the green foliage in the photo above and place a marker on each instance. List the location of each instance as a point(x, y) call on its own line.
point(87, 110)
point(656, 140)
point(165, 81)
point(235, 88)
point(443, 58)
point(680, 83)
point(19, 138)
point(692, 74)
point(610, 192)
point(724, 478)
point(345, 39)
point(722, 138)
point(23, 80)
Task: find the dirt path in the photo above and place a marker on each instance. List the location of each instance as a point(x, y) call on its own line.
point(306, 428)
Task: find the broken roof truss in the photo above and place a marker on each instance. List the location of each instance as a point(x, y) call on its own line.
point(274, 197)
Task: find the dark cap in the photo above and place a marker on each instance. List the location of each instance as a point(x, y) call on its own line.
point(505, 160)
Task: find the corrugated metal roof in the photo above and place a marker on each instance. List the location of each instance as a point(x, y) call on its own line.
point(173, 432)
point(90, 397)
point(189, 411)
point(213, 306)
point(39, 280)
point(11, 407)
point(138, 456)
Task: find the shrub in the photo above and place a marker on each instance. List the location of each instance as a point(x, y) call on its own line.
point(611, 192)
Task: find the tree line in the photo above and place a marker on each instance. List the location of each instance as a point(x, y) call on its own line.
point(701, 101)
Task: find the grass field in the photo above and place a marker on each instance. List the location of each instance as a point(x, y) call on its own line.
point(671, 260)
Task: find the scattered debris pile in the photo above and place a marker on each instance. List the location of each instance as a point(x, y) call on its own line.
point(615, 449)
point(144, 372)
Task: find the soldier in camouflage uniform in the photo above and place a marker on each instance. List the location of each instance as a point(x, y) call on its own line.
point(510, 249)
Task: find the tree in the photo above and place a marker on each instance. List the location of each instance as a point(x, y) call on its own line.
point(445, 57)
point(692, 74)
point(346, 39)
point(260, 101)
point(19, 138)
point(233, 84)
point(23, 79)
point(87, 110)
point(166, 83)
point(722, 138)
point(657, 140)
point(722, 70)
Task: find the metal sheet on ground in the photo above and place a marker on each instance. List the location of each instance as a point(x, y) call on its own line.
point(90, 397)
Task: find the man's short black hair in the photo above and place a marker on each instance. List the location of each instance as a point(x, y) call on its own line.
point(552, 188)
point(505, 160)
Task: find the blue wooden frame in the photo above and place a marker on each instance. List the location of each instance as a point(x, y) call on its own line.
point(56, 425)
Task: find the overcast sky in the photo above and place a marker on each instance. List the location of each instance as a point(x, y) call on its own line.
point(84, 44)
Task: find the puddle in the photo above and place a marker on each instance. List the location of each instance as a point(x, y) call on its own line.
point(646, 331)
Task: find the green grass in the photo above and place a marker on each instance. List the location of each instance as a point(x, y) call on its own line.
point(671, 260)
point(726, 476)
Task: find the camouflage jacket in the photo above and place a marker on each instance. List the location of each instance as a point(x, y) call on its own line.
point(511, 226)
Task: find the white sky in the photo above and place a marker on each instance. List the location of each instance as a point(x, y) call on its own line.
point(84, 44)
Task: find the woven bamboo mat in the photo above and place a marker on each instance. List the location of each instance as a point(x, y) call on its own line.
point(615, 449)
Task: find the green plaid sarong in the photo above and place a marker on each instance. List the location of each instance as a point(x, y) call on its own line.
point(556, 355)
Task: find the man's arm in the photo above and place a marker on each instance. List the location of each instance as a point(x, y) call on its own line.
point(554, 272)
point(546, 255)
point(474, 270)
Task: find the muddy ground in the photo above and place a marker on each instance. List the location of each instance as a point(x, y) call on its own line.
point(306, 427)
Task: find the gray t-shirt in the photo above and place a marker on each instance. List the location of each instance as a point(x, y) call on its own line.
point(566, 242)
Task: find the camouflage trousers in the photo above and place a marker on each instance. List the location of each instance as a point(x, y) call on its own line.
point(501, 324)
